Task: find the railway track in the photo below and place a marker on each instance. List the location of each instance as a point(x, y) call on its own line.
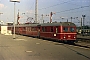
point(87, 40)
point(83, 45)
point(81, 38)
point(80, 44)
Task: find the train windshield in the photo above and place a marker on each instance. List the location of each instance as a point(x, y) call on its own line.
point(65, 29)
point(72, 29)
point(68, 29)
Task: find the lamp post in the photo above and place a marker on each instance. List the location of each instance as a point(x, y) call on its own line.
point(83, 16)
point(1, 13)
point(0, 18)
point(14, 15)
point(71, 19)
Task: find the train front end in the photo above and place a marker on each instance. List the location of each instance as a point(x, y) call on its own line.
point(68, 32)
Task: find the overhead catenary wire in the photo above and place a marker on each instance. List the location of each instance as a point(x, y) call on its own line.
point(65, 10)
point(78, 8)
point(59, 4)
point(55, 5)
point(74, 9)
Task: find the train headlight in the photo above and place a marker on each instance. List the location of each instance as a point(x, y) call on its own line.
point(64, 37)
point(74, 37)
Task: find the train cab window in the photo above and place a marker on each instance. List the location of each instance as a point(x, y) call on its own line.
point(65, 29)
point(72, 29)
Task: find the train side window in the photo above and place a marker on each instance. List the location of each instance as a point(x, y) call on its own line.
point(24, 28)
point(27, 29)
point(51, 29)
point(65, 29)
point(43, 29)
point(30, 29)
point(33, 29)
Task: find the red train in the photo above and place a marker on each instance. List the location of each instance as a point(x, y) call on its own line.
point(63, 31)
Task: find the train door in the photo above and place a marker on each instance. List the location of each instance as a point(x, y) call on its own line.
point(38, 32)
point(56, 31)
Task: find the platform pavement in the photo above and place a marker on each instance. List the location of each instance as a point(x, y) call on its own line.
point(28, 48)
point(14, 49)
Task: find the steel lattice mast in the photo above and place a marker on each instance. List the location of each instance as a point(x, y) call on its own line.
point(36, 11)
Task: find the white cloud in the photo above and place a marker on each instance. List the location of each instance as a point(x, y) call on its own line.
point(2, 6)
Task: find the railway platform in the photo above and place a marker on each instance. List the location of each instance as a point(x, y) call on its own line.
point(28, 48)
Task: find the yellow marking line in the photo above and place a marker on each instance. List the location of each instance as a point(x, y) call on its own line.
point(70, 45)
point(28, 51)
point(39, 39)
point(76, 46)
point(20, 39)
point(54, 42)
point(37, 43)
point(49, 41)
point(44, 40)
point(86, 48)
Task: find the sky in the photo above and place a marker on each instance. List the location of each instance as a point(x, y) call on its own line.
point(61, 9)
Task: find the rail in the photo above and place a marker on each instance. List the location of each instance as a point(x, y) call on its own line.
point(83, 38)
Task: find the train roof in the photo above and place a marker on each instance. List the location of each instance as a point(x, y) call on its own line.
point(24, 25)
point(27, 25)
point(47, 24)
point(58, 24)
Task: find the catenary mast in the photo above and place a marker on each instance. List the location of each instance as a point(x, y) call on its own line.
point(36, 11)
